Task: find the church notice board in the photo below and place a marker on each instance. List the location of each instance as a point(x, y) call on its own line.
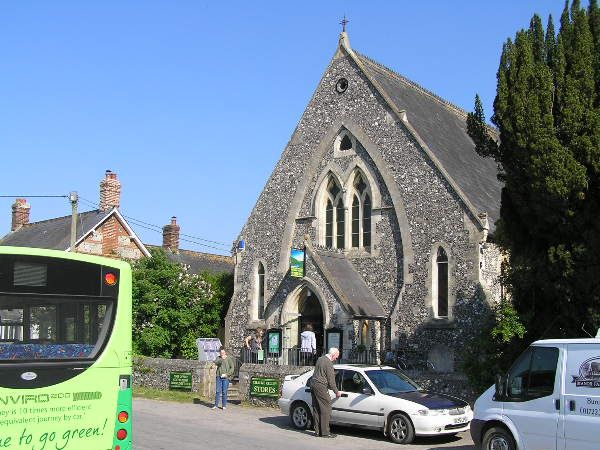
point(180, 381)
point(264, 387)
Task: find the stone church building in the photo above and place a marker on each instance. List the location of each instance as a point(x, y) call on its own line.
point(381, 185)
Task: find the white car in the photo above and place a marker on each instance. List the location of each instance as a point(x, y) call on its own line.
point(381, 398)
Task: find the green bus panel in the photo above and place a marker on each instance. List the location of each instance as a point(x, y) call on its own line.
point(81, 413)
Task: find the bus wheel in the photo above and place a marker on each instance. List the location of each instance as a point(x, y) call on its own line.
point(300, 416)
point(498, 438)
point(400, 429)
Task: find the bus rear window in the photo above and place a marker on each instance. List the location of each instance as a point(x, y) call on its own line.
point(67, 329)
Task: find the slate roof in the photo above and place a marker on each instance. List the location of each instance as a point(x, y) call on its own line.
point(351, 289)
point(443, 127)
point(199, 262)
point(53, 233)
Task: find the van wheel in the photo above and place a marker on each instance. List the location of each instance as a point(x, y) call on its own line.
point(400, 429)
point(300, 416)
point(498, 438)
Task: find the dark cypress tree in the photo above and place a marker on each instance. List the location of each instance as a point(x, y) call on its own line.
point(594, 19)
point(546, 111)
point(550, 43)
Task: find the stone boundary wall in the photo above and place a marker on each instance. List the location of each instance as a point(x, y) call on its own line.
point(154, 373)
point(247, 371)
point(444, 383)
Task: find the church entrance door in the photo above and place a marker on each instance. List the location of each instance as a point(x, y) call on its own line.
point(302, 308)
point(311, 314)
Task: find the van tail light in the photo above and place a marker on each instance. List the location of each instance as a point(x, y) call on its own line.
point(121, 434)
point(123, 417)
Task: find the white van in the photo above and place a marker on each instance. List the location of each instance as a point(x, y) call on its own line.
point(548, 400)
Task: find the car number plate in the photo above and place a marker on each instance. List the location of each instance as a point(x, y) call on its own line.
point(461, 420)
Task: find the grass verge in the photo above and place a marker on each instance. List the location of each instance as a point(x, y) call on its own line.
point(171, 396)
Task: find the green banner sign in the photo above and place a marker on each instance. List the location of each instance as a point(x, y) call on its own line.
point(297, 262)
point(181, 381)
point(264, 387)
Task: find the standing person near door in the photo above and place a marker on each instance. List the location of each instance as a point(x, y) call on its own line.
point(323, 379)
point(254, 344)
point(225, 369)
point(308, 346)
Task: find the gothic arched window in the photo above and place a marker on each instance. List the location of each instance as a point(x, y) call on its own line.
point(361, 213)
point(335, 233)
point(442, 283)
point(261, 291)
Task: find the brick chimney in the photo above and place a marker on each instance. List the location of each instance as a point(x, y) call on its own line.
point(20, 213)
point(110, 191)
point(171, 235)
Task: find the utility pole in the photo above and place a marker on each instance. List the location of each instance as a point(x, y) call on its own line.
point(73, 198)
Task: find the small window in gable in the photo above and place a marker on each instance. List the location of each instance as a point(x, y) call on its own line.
point(346, 143)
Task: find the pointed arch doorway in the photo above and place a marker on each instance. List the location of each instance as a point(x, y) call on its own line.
point(302, 307)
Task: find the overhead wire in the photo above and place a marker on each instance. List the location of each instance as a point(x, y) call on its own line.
point(158, 229)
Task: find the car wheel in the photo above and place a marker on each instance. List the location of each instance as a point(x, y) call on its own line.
point(498, 438)
point(400, 429)
point(300, 416)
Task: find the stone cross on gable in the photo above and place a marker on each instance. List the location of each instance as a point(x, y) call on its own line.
point(343, 23)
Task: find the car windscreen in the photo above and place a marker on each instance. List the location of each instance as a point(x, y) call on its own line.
point(36, 328)
point(391, 381)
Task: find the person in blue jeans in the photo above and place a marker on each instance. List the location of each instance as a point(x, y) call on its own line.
point(225, 368)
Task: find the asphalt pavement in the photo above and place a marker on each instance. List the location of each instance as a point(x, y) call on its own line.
point(167, 425)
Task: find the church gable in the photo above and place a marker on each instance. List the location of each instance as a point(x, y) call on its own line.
point(357, 183)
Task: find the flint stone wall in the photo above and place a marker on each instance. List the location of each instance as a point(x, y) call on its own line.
point(247, 371)
point(154, 373)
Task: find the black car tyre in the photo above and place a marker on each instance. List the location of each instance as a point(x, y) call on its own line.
point(498, 438)
point(400, 429)
point(300, 416)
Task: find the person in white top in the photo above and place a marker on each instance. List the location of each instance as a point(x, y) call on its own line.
point(308, 346)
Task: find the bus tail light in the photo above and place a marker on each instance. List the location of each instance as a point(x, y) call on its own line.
point(121, 434)
point(110, 278)
point(123, 416)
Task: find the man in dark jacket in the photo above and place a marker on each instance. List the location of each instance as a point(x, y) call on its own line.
point(323, 379)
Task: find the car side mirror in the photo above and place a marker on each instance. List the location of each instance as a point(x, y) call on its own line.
point(367, 391)
point(499, 384)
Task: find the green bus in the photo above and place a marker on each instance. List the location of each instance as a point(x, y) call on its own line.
point(65, 351)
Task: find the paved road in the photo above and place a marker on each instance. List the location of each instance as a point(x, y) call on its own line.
point(164, 425)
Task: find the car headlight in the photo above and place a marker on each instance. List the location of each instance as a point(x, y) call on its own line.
point(433, 412)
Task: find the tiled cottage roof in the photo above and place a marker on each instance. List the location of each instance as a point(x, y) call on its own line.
point(199, 262)
point(53, 233)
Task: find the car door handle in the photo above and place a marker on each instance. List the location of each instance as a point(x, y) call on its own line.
point(572, 405)
point(307, 390)
point(344, 395)
point(557, 404)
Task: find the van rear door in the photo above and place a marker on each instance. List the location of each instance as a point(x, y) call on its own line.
point(581, 410)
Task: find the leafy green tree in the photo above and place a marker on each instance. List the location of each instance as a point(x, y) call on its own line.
point(172, 307)
point(547, 114)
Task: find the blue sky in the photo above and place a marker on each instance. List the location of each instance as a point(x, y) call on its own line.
point(192, 102)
